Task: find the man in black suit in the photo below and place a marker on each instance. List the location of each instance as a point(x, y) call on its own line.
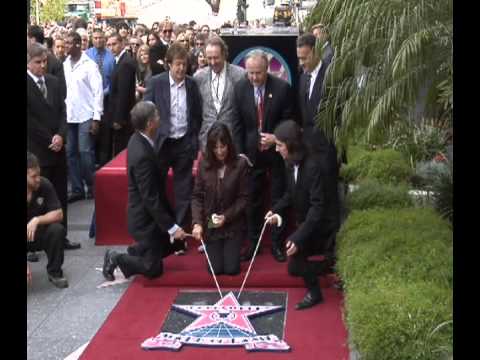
point(312, 194)
point(320, 31)
point(150, 218)
point(310, 97)
point(178, 101)
point(47, 125)
point(122, 93)
point(262, 101)
point(54, 66)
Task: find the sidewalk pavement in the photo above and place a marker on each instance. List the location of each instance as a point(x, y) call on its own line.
point(59, 321)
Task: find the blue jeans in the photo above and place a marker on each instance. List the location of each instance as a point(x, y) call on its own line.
point(81, 157)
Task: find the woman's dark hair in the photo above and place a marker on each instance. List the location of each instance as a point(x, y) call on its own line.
point(290, 133)
point(219, 132)
point(155, 36)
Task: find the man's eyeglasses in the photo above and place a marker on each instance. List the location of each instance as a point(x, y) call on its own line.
point(134, 44)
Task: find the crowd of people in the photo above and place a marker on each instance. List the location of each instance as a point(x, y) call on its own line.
point(169, 95)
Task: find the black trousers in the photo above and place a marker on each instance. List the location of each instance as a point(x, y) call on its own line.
point(120, 139)
point(149, 264)
point(266, 165)
point(299, 265)
point(50, 239)
point(178, 155)
point(103, 140)
point(224, 254)
point(145, 257)
point(58, 176)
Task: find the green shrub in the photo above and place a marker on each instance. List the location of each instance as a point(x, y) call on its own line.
point(384, 165)
point(372, 194)
point(397, 269)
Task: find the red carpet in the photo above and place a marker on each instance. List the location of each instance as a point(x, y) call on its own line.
point(317, 333)
point(190, 270)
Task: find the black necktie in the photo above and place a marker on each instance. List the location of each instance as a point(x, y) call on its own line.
point(307, 87)
point(42, 87)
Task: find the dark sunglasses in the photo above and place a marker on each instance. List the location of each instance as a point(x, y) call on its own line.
point(167, 31)
point(134, 44)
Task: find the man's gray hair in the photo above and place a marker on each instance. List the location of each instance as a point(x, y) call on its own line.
point(34, 50)
point(141, 113)
point(257, 53)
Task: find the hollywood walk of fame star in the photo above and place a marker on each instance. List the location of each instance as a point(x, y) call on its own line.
point(227, 311)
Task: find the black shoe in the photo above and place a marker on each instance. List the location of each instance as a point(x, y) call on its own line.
point(278, 254)
point(70, 245)
point(32, 257)
point(59, 281)
point(247, 255)
point(109, 265)
point(309, 300)
point(75, 197)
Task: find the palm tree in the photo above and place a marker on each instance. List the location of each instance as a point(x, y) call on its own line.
point(389, 56)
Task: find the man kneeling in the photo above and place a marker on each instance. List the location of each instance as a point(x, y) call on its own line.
point(44, 221)
point(151, 220)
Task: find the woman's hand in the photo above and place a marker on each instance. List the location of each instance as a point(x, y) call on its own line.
point(291, 248)
point(197, 232)
point(218, 220)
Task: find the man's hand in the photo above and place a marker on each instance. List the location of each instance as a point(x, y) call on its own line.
point(272, 220)
point(291, 248)
point(29, 275)
point(32, 228)
point(266, 141)
point(57, 143)
point(94, 126)
point(179, 234)
point(197, 232)
point(116, 126)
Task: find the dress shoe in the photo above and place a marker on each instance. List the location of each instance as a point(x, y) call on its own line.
point(75, 197)
point(70, 245)
point(59, 281)
point(109, 264)
point(309, 300)
point(247, 255)
point(32, 257)
point(278, 254)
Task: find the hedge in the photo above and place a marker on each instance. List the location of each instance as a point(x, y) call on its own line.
point(384, 165)
point(397, 269)
point(372, 194)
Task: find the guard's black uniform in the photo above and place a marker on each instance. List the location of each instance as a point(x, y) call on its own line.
point(47, 237)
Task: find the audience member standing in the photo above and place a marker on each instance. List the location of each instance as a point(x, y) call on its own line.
point(47, 126)
point(201, 60)
point(54, 66)
point(157, 49)
point(151, 220)
point(106, 62)
point(312, 195)
point(178, 101)
point(122, 93)
point(44, 217)
point(84, 109)
point(145, 70)
point(166, 33)
point(59, 49)
point(216, 84)
point(262, 102)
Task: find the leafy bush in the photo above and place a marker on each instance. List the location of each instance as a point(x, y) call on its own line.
point(443, 194)
point(385, 165)
point(419, 141)
point(397, 269)
point(372, 194)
